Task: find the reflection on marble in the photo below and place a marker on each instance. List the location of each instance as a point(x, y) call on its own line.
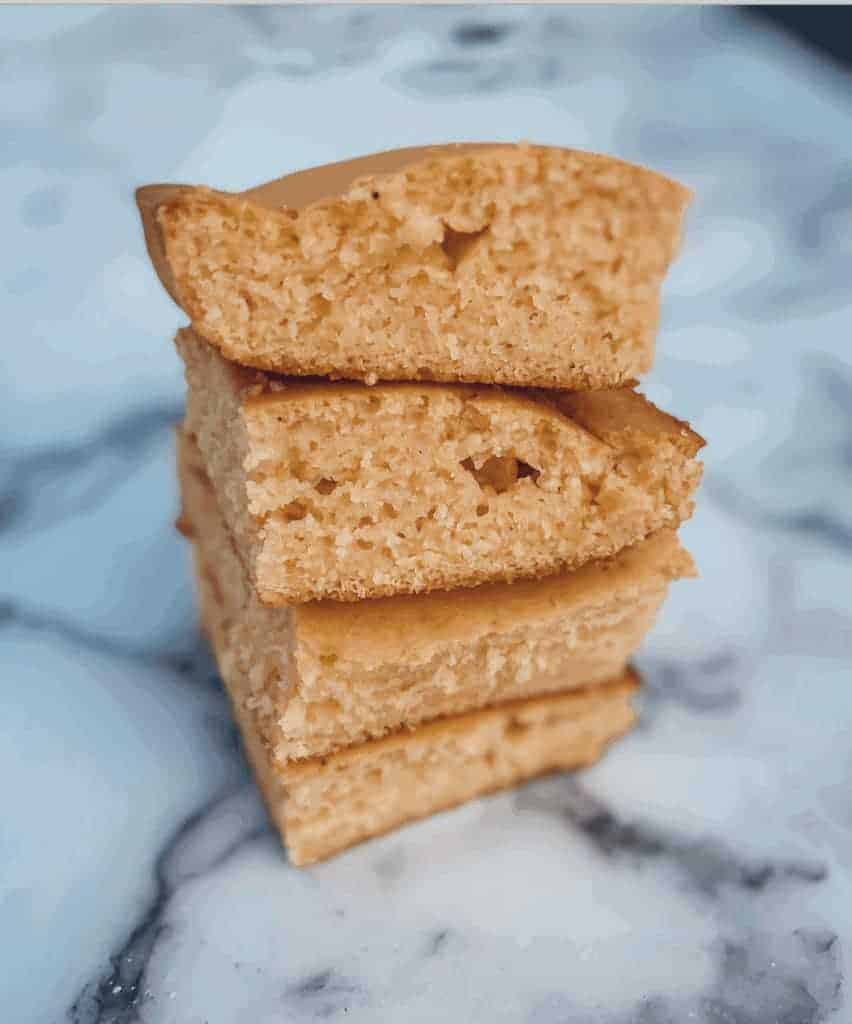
point(703, 871)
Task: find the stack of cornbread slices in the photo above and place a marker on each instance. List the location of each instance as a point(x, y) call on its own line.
point(431, 518)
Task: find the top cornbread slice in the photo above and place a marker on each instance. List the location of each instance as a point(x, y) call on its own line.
point(345, 491)
point(511, 264)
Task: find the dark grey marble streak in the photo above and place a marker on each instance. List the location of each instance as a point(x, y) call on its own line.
point(42, 486)
point(119, 996)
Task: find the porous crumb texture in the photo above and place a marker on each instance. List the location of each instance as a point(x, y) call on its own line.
point(346, 491)
point(322, 676)
point(519, 265)
point(325, 805)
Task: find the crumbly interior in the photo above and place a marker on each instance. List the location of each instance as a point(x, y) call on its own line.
point(348, 491)
point(322, 676)
point(517, 265)
point(326, 805)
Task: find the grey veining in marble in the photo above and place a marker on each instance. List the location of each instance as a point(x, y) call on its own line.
point(703, 871)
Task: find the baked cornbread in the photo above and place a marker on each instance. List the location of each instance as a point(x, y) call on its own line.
point(340, 490)
point(512, 264)
point(323, 805)
point(316, 677)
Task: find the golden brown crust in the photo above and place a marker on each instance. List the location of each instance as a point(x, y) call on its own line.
point(331, 286)
point(615, 418)
point(393, 625)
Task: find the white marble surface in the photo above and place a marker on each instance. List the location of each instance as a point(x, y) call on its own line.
point(702, 872)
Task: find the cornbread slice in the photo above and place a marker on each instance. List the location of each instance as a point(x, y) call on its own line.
point(323, 805)
point(321, 676)
point(348, 491)
point(510, 264)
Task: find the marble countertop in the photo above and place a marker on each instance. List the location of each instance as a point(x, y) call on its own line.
point(703, 871)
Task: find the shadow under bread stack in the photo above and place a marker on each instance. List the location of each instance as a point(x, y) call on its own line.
point(431, 519)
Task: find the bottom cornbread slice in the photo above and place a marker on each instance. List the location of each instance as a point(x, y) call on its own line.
point(323, 805)
point(323, 676)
